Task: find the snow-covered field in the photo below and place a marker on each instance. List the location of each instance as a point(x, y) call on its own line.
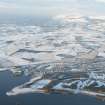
point(77, 46)
point(20, 45)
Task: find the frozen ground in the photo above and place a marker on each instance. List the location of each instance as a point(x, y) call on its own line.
point(70, 57)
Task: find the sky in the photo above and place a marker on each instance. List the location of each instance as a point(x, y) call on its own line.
point(52, 7)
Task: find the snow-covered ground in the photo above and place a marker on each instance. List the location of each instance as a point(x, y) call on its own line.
point(27, 44)
point(78, 45)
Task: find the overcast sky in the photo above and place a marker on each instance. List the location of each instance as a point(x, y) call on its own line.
point(33, 7)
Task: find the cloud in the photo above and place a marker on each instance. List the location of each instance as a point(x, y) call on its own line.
point(35, 7)
point(5, 5)
point(101, 1)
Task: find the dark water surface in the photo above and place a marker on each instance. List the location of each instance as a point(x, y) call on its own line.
point(7, 81)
